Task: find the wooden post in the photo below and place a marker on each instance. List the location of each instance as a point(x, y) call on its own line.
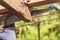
point(38, 28)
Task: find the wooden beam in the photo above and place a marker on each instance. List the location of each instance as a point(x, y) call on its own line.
point(18, 8)
point(21, 10)
point(33, 13)
point(37, 12)
point(13, 18)
point(33, 3)
point(4, 11)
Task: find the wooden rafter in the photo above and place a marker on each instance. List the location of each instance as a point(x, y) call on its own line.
point(33, 3)
point(33, 13)
point(18, 8)
point(12, 18)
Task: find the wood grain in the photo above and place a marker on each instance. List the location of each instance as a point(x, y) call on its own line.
point(33, 3)
point(18, 8)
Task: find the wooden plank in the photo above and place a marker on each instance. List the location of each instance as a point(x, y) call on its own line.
point(33, 3)
point(13, 18)
point(18, 8)
point(37, 12)
point(33, 13)
point(4, 11)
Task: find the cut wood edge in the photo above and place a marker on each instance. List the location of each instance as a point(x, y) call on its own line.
point(18, 8)
point(13, 18)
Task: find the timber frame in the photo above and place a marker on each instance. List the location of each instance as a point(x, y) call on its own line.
point(33, 3)
point(21, 8)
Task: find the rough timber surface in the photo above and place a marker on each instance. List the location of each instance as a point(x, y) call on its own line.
point(18, 8)
point(12, 18)
point(33, 3)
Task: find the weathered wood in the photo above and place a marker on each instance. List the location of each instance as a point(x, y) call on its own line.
point(13, 18)
point(4, 11)
point(33, 13)
point(37, 12)
point(18, 8)
point(33, 3)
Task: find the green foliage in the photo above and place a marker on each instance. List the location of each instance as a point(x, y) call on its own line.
point(49, 27)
